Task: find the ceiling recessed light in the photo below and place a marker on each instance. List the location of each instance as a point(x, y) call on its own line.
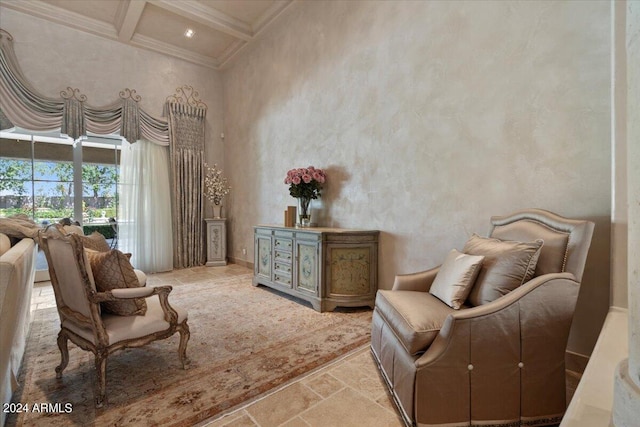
point(189, 33)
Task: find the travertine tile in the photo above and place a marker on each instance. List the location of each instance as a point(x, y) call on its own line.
point(359, 378)
point(350, 408)
point(227, 419)
point(324, 384)
point(296, 422)
point(283, 405)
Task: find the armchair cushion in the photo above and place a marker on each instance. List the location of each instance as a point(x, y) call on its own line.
point(507, 265)
point(414, 317)
point(456, 278)
point(112, 270)
point(120, 328)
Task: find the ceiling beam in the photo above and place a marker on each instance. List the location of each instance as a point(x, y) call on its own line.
point(212, 18)
point(132, 13)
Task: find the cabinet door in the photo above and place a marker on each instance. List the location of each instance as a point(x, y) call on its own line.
point(262, 259)
point(307, 259)
point(215, 248)
point(351, 270)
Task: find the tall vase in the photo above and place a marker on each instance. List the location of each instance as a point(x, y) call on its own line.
point(304, 212)
point(217, 211)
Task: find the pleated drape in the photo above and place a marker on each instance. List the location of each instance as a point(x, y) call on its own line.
point(186, 152)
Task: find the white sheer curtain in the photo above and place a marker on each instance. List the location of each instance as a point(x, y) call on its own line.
point(144, 216)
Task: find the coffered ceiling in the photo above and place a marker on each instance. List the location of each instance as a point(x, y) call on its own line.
point(221, 28)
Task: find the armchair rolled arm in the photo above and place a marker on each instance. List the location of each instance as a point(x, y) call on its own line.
point(130, 293)
point(420, 281)
point(170, 315)
point(456, 325)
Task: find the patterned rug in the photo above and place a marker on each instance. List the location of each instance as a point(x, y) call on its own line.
point(244, 342)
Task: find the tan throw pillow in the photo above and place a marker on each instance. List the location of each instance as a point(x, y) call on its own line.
point(112, 270)
point(507, 265)
point(455, 278)
point(95, 241)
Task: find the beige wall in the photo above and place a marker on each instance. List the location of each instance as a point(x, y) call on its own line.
point(429, 117)
point(54, 57)
point(633, 168)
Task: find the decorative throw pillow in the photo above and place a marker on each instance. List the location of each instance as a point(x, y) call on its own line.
point(112, 270)
point(507, 265)
point(95, 241)
point(456, 277)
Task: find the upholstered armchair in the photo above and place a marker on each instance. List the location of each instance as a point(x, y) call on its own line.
point(494, 363)
point(83, 309)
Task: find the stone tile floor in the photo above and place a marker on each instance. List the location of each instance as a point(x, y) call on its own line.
point(346, 392)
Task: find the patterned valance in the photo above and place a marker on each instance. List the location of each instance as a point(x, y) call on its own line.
point(25, 107)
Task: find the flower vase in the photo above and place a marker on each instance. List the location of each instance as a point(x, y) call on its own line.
point(304, 212)
point(217, 211)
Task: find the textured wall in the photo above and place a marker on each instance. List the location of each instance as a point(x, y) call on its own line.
point(429, 118)
point(54, 57)
point(633, 139)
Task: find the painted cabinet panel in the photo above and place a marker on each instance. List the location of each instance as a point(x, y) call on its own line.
point(216, 242)
point(328, 267)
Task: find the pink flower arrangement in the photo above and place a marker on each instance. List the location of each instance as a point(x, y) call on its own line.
point(305, 182)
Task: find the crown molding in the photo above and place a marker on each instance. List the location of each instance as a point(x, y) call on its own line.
point(270, 15)
point(128, 16)
point(70, 19)
point(230, 51)
point(196, 11)
point(148, 43)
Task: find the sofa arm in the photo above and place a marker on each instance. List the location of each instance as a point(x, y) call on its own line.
point(545, 297)
point(420, 281)
point(508, 353)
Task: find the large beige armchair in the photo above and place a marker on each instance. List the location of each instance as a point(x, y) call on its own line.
point(83, 308)
point(500, 363)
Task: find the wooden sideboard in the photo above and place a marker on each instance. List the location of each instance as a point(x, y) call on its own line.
point(328, 267)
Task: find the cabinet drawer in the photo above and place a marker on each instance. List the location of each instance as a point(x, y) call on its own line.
point(282, 279)
point(284, 244)
point(282, 267)
point(282, 256)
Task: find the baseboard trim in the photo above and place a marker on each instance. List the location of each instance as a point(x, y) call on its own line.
point(575, 362)
point(241, 262)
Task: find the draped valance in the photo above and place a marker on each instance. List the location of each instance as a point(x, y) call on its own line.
point(183, 130)
point(27, 108)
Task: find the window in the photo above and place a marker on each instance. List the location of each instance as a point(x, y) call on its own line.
point(49, 178)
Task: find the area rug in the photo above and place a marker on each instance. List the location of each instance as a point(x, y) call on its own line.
point(245, 341)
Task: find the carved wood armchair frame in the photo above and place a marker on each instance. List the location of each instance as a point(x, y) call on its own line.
point(93, 321)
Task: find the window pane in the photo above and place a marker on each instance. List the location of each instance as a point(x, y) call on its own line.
point(99, 185)
point(15, 186)
point(53, 201)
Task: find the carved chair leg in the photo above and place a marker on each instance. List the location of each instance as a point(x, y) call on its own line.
point(182, 349)
point(64, 353)
point(101, 378)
